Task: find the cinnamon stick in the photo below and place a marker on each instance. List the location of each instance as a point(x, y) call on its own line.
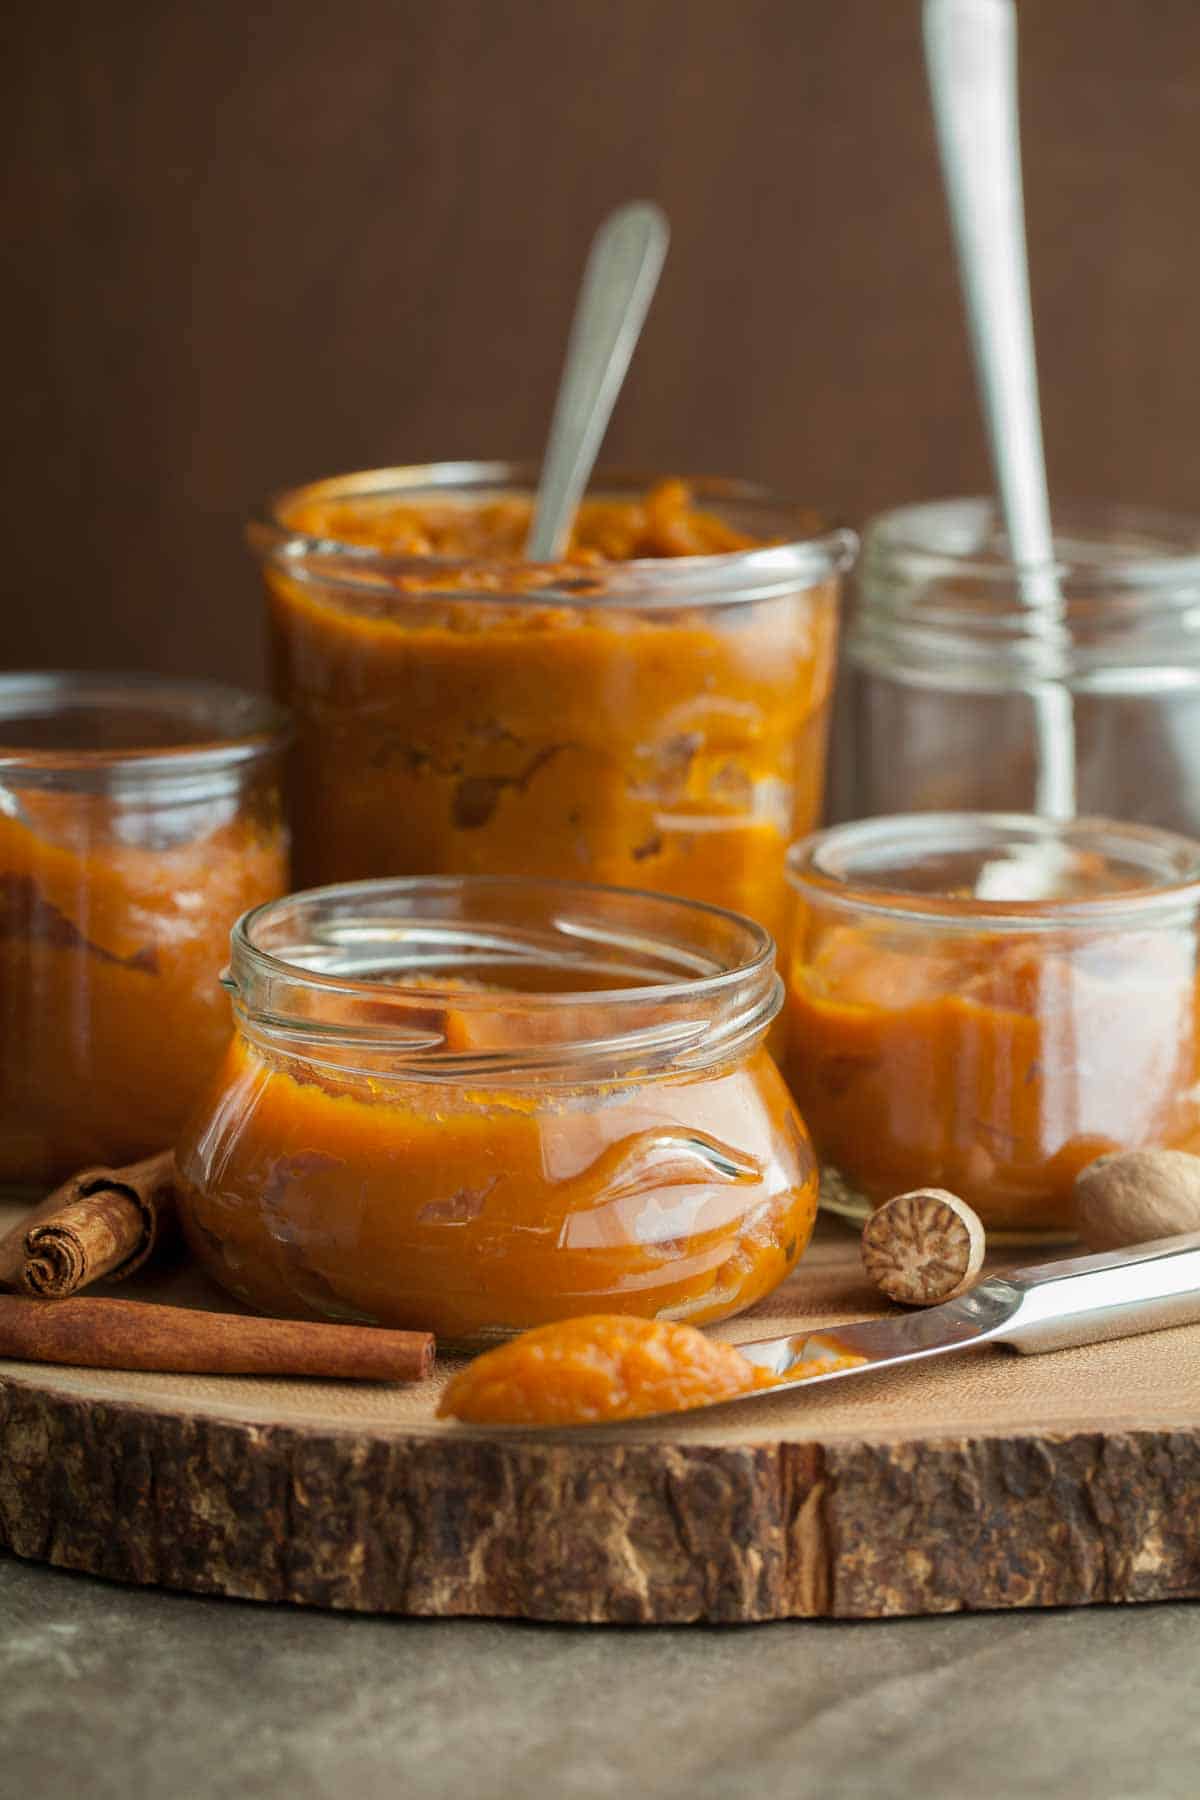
point(103, 1223)
point(131, 1334)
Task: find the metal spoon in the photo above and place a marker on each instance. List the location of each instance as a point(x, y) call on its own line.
point(970, 53)
point(618, 285)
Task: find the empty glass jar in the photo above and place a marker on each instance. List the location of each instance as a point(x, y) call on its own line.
point(943, 665)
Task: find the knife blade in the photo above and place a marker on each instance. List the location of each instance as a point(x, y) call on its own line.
point(1052, 1306)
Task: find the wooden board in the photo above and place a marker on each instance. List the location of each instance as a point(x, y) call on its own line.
point(986, 1480)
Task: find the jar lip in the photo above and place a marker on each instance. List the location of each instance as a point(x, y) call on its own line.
point(822, 864)
point(217, 725)
point(725, 578)
point(704, 1000)
point(1102, 544)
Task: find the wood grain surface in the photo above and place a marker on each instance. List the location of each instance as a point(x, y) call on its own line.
point(252, 245)
point(985, 1480)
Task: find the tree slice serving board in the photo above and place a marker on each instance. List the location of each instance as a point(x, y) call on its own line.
point(982, 1480)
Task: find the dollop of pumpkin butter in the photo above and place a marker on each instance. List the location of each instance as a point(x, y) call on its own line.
point(596, 1369)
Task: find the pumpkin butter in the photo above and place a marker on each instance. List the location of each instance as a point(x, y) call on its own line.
point(940, 1038)
point(508, 1123)
point(138, 819)
point(597, 1370)
point(608, 1367)
point(651, 711)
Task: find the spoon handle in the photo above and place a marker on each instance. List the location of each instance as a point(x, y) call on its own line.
point(622, 273)
point(971, 56)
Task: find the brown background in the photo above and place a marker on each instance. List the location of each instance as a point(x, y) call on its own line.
point(257, 243)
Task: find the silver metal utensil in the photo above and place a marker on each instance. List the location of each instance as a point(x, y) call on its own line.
point(1054, 1306)
point(970, 53)
point(618, 285)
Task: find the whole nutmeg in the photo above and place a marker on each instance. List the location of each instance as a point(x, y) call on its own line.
point(923, 1247)
point(1135, 1196)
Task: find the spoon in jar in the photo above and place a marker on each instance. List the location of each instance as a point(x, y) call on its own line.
point(618, 285)
point(970, 54)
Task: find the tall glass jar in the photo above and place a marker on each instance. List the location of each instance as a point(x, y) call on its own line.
point(659, 722)
point(139, 817)
point(476, 1104)
point(943, 665)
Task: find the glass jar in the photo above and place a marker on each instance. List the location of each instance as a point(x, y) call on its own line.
point(475, 1104)
point(138, 818)
point(944, 666)
point(658, 723)
point(991, 1046)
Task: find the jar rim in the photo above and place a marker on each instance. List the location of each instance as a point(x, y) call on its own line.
point(802, 559)
point(1088, 538)
point(830, 865)
point(329, 977)
point(226, 725)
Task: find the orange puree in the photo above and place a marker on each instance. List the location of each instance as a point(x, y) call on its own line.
point(595, 1370)
point(592, 1370)
point(662, 523)
point(991, 1064)
point(477, 1211)
point(454, 718)
point(115, 912)
point(111, 1016)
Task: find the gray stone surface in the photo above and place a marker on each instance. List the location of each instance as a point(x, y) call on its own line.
point(156, 1694)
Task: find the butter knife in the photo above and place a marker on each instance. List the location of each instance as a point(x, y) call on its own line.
point(1053, 1306)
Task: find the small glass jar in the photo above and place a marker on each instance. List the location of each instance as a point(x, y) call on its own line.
point(139, 817)
point(654, 723)
point(475, 1104)
point(944, 666)
point(991, 1046)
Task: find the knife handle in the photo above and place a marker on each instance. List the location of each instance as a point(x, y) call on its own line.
point(1088, 1299)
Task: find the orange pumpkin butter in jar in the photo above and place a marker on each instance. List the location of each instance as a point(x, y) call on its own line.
point(139, 817)
point(987, 1002)
point(477, 1104)
point(650, 712)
